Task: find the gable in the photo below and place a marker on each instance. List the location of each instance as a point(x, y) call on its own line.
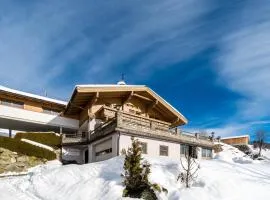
point(140, 99)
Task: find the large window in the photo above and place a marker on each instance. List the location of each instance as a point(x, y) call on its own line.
point(144, 147)
point(188, 150)
point(206, 153)
point(11, 103)
point(163, 150)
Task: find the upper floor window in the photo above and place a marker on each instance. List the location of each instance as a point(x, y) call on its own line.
point(50, 111)
point(144, 147)
point(163, 150)
point(206, 153)
point(12, 103)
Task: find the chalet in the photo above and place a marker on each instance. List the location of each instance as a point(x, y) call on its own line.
point(236, 140)
point(98, 121)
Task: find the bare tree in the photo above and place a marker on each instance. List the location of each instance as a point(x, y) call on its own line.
point(190, 166)
point(260, 137)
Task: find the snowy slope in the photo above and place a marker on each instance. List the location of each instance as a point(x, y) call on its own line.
point(223, 178)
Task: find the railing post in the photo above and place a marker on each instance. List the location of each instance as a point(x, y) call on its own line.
point(152, 125)
point(119, 118)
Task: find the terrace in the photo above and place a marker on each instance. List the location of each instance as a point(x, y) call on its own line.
point(119, 121)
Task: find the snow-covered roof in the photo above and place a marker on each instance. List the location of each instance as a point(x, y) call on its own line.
point(108, 85)
point(32, 95)
point(238, 136)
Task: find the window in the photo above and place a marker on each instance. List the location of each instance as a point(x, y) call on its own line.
point(188, 150)
point(50, 111)
point(206, 153)
point(103, 152)
point(144, 147)
point(183, 149)
point(163, 150)
point(12, 103)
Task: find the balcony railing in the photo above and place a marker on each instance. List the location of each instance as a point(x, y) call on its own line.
point(141, 126)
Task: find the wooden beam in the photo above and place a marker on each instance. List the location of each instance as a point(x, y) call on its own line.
point(153, 105)
point(91, 103)
point(142, 97)
point(128, 97)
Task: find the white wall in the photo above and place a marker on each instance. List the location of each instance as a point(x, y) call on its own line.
point(35, 117)
point(152, 146)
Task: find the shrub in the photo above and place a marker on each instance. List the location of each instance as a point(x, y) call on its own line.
point(47, 138)
point(244, 148)
point(26, 148)
point(217, 148)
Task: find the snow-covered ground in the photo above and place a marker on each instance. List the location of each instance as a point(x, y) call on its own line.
point(230, 176)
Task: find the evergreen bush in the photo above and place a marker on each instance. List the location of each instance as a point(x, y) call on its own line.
point(136, 174)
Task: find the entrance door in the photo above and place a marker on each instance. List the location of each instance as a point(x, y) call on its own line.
point(86, 156)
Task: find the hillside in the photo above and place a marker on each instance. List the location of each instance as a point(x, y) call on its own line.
point(229, 176)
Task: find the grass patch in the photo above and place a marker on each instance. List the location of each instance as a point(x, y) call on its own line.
point(18, 146)
point(47, 138)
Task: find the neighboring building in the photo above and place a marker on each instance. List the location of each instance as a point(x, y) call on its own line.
point(236, 140)
point(99, 121)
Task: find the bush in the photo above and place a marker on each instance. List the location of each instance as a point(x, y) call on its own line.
point(244, 148)
point(217, 148)
point(47, 138)
point(26, 148)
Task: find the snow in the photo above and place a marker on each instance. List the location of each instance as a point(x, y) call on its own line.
point(37, 144)
point(223, 178)
point(32, 95)
point(239, 136)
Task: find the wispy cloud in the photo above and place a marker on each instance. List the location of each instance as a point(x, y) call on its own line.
point(244, 62)
point(42, 40)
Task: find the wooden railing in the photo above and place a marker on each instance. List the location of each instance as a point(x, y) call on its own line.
point(138, 125)
point(146, 127)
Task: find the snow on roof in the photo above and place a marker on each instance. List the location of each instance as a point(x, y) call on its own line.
point(231, 137)
point(108, 85)
point(32, 95)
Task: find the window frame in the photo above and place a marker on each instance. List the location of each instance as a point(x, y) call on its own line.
point(206, 153)
point(161, 151)
point(146, 149)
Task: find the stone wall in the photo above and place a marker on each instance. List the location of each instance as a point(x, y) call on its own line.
point(14, 162)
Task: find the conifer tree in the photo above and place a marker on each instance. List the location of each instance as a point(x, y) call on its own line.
point(136, 173)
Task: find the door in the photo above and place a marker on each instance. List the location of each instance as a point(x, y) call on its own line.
point(86, 156)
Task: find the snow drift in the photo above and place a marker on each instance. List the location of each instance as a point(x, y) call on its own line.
point(223, 178)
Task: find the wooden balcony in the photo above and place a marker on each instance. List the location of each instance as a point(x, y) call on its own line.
point(146, 127)
point(138, 126)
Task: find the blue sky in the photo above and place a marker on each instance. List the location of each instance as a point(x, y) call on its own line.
point(209, 59)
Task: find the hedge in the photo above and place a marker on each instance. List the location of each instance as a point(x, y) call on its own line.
point(47, 138)
point(26, 148)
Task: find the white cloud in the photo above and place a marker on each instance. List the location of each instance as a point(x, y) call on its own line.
point(39, 41)
point(244, 62)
